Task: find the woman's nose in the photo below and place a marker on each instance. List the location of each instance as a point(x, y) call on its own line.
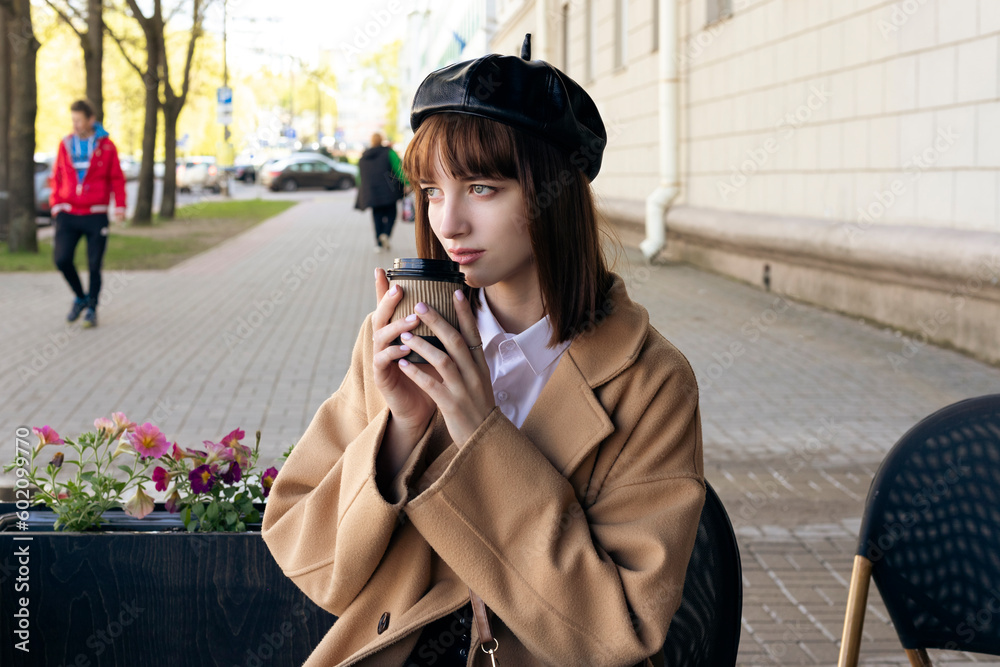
point(453, 220)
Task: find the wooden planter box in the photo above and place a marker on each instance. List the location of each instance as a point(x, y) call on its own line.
point(145, 593)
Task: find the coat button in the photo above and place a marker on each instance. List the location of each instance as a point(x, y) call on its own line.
point(463, 652)
point(383, 623)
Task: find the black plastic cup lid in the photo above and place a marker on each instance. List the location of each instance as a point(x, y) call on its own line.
point(443, 270)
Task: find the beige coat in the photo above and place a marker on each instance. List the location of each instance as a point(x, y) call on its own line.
point(575, 529)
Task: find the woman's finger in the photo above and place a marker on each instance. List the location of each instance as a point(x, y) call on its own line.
point(470, 332)
point(441, 361)
point(383, 337)
point(390, 298)
point(381, 284)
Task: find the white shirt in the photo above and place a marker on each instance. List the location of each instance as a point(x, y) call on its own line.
point(520, 364)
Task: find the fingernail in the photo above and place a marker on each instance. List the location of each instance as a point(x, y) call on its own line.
point(421, 307)
point(406, 335)
point(404, 362)
point(459, 295)
point(376, 273)
point(404, 348)
point(395, 288)
point(411, 318)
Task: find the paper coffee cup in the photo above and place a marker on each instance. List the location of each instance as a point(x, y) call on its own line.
point(432, 281)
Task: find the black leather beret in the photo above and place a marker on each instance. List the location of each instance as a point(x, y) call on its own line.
point(530, 95)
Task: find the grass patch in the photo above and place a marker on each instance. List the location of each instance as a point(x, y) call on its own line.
point(196, 228)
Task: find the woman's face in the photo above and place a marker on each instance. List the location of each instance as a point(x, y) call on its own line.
point(480, 222)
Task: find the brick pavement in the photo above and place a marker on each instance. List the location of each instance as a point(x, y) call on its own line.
point(798, 404)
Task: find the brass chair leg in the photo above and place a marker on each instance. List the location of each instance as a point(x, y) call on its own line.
point(918, 657)
point(854, 618)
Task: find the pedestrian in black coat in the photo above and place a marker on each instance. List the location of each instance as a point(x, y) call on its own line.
point(381, 185)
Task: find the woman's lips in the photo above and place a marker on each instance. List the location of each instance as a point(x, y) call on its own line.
point(466, 256)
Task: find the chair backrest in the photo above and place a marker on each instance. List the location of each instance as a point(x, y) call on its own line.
point(705, 631)
point(932, 529)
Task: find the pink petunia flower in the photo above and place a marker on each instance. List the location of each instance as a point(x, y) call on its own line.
point(139, 505)
point(267, 480)
point(201, 478)
point(161, 477)
point(148, 441)
point(122, 424)
point(233, 437)
point(46, 436)
point(105, 427)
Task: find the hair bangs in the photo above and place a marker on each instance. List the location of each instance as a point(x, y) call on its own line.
point(468, 147)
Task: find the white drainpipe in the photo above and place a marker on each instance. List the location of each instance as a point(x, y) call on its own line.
point(660, 199)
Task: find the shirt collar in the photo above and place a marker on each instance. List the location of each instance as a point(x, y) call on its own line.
point(533, 341)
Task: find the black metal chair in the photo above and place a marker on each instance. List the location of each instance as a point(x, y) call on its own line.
point(930, 536)
point(705, 631)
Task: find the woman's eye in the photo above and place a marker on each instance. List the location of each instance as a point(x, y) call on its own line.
point(430, 192)
point(485, 189)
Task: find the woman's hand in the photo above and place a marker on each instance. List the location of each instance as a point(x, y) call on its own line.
point(458, 380)
point(409, 406)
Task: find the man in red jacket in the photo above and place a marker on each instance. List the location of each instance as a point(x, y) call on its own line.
point(85, 175)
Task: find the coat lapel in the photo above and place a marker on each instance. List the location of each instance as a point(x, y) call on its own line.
point(567, 420)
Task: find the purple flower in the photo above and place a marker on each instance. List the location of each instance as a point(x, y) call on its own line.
point(232, 474)
point(202, 479)
point(267, 481)
point(173, 503)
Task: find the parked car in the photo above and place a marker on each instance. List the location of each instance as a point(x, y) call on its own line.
point(308, 170)
point(200, 172)
point(130, 167)
point(43, 187)
point(245, 173)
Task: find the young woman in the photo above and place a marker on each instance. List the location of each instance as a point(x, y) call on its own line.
point(547, 463)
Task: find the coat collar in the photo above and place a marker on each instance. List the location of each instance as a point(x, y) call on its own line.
point(567, 420)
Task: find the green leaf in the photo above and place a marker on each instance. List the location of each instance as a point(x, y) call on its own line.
point(231, 518)
point(125, 468)
point(240, 527)
point(198, 509)
point(212, 513)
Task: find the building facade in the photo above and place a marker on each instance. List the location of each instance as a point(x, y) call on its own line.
point(842, 152)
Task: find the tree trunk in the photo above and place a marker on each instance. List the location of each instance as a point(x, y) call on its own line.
point(5, 91)
point(23, 234)
point(93, 56)
point(144, 200)
point(168, 200)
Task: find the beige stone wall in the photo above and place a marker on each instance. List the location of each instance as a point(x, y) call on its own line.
point(814, 108)
point(845, 110)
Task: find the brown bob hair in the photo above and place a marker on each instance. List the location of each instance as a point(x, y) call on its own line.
point(558, 206)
